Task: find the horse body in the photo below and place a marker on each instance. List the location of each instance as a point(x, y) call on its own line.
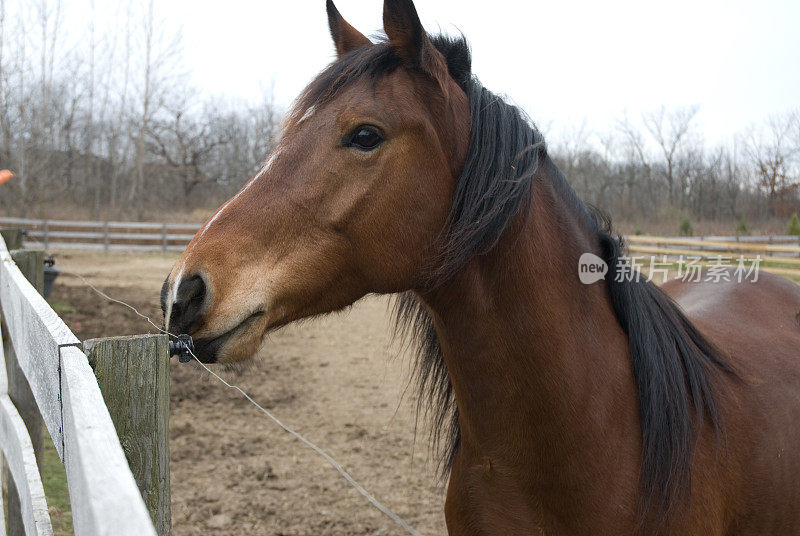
point(566, 408)
point(553, 396)
point(757, 325)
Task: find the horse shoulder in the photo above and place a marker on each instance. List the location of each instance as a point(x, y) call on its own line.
point(757, 325)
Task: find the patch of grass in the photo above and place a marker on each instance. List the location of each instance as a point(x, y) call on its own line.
point(794, 225)
point(54, 480)
point(742, 228)
point(61, 307)
point(686, 228)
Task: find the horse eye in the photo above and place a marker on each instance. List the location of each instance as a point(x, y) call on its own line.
point(365, 138)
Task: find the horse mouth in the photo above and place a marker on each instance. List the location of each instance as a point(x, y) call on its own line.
point(209, 349)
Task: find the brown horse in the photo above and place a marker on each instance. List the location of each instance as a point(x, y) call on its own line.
point(566, 408)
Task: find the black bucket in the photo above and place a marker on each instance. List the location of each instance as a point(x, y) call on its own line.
point(50, 274)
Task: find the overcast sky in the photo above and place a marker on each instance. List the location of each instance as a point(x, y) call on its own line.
point(563, 61)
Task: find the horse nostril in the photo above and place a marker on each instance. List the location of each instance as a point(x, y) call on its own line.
point(190, 301)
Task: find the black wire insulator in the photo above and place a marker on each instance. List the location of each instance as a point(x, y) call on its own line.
point(183, 347)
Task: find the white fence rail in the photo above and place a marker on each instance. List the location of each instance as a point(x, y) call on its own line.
point(103, 493)
point(106, 236)
point(21, 459)
point(790, 240)
point(779, 255)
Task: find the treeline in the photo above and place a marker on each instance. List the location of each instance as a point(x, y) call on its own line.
point(103, 120)
point(660, 168)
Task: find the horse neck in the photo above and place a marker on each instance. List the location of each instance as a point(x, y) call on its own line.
point(537, 360)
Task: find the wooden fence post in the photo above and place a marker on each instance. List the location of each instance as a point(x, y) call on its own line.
point(31, 264)
point(133, 374)
point(12, 237)
point(164, 239)
point(105, 237)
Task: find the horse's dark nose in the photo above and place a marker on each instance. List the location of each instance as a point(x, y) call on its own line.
point(188, 306)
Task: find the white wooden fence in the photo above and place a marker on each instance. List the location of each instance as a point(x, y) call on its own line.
point(777, 254)
point(104, 496)
point(147, 236)
point(106, 236)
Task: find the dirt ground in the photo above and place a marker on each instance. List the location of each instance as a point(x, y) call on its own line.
point(339, 380)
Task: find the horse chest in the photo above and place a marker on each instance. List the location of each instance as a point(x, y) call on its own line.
point(485, 499)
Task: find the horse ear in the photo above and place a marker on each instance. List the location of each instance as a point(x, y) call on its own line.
point(410, 40)
point(345, 37)
point(404, 29)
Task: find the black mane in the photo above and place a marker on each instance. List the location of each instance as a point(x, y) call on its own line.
point(672, 363)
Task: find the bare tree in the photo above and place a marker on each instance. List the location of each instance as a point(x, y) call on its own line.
point(774, 153)
point(148, 29)
point(669, 130)
point(734, 177)
point(160, 55)
point(120, 146)
point(638, 170)
point(185, 144)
